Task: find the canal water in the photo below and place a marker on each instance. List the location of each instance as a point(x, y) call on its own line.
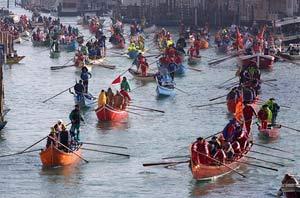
point(149, 136)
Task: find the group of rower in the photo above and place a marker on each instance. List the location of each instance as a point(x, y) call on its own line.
point(120, 100)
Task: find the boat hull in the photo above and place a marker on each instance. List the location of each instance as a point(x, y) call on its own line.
point(108, 113)
point(263, 61)
point(269, 133)
point(52, 157)
point(14, 60)
point(193, 60)
point(137, 75)
point(54, 54)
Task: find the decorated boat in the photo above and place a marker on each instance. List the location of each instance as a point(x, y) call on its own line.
point(165, 86)
point(108, 113)
point(271, 132)
point(263, 61)
point(40, 43)
point(137, 75)
point(52, 156)
point(290, 56)
point(14, 60)
point(290, 187)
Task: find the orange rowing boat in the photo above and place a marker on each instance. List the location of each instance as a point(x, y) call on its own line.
point(52, 156)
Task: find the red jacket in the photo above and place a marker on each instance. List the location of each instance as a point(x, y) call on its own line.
point(125, 94)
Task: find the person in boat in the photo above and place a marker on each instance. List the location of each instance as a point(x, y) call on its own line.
point(132, 47)
point(85, 76)
point(202, 150)
point(214, 145)
point(79, 89)
point(102, 99)
point(274, 107)
point(52, 135)
point(193, 51)
point(144, 67)
point(125, 85)
point(64, 138)
point(58, 127)
point(265, 116)
point(76, 119)
point(109, 97)
point(102, 43)
point(181, 42)
point(137, 61)
point(249, 94)
point(228, 149)
point(118, 101)
point(79, 59)
point(126, 97)
point(141, 43)
point(230, 129)
point(248, 113)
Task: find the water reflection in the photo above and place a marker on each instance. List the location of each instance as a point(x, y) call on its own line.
point(108, 126)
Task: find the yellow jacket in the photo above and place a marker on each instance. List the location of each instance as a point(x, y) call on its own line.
point(102, 99)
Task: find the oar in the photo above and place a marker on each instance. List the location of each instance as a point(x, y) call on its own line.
point(29, 147)
point(216, 98)
point(221, 164)
point(213, 135)
point(148, 108)
point(272, 148)
point(120, 154)
point(227, 80)
point(256, 165)
point(70, 150)
point(106, 145)
point(194, 69)
point(174, 157)
point(206, 105)
point(134, 113)
point(57, 94)
point(165, 163)
point(105, 66)
point(290, 128)
point(60, 67)
point(181, 90)
point(221, 60)
point(271, 155)
point(275, 163)
point(19, 153)
point(287, 60)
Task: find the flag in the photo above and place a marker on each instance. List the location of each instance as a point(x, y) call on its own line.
point(116, 81)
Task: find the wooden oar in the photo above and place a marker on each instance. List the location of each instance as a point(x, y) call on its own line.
point(181, 90)
point(194, 69)
point(259, 166)
point(106, 145)
point(262, 160)
point(213, 135)
point(29, 147)
point(222, 59)
point(19, 153)
point(206, 105)
point(105, 66)
point(120, 154)
point(227, 80)
point(216, 98)
point(290, 128)
point(287, 60)
point(148, 108)
point(272, 148)
point(61, 67)
point(271, 155)
point(70, 150)
point(134, 113)
point(57, 94)
point(221, 164)
point(165, 163)
point(174, 157)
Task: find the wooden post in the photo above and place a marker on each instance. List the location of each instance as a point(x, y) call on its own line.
point(1, 93)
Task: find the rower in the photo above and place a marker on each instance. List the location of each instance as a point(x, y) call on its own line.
point(144, 67)
point(118, 100)
point(76, 119)
point(201, 148)
point(265, 116)
point(53, 139)
point(248, 113)
point(109, 97)
point(230, 129)
point(85, 76)
point(64, 139)
point(125, 85)
point(126, 97)
point(79, 89)
point(59, 126)
point(102, 99)
point(274, 107)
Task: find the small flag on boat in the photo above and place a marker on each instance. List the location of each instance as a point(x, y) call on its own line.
point(117, 80)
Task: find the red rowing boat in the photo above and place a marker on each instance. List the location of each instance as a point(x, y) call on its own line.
point(214, 170)
point(52, 156)
point(108, 113)
point(271, 133)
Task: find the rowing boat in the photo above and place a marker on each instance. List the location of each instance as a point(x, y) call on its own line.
point(52, 156)
point(69, 47)
point(165, 86)
point(262, 61)
point(137, 75)
point(270, 132)
point(14, 60)
point(193, 60)
point(54, 54)
point(85, 100)
point(108, 113)
point(211, 169)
